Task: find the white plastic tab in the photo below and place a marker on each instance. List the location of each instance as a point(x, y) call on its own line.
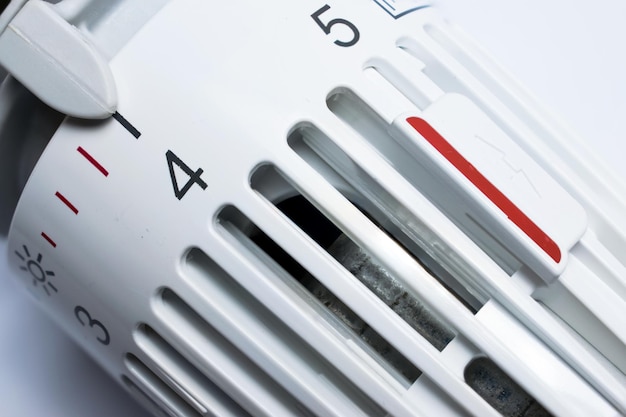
point(57, 63)
point(495, 183)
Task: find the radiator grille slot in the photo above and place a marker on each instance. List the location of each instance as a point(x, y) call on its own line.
point(500, 391)
point(328, 159)
point(182, 377)
point(274, 256)
point(265, 356)
point(352, 257)
point(143, 398)
point(361, 265)
point(319, 228)
point(157, 390)
point(216, 361)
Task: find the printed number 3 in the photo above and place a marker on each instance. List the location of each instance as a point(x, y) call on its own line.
point(84, 318)
point(326, 27)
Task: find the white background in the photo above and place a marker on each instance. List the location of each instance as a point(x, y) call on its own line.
point(569, 53)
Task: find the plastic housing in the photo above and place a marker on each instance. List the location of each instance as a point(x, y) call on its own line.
point(176, 242)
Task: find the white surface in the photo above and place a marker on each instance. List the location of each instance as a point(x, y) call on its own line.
point(570, 54)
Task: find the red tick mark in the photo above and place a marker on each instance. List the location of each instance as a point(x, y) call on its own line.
point(66, 202)
point(50, 241)
point(93, 161)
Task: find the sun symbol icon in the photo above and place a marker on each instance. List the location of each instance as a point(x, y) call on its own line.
point(33, 266)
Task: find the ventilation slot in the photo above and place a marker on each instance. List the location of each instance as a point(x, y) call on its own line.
point(325, 156)
point(157, 390)
point(218, 363)
point(143, 398)
point(354, 259)
point(276, 258)
point(321, 153)
point(481, 375)
point(183, 378)
point(261, 351)
point(500, 391)
point(348, 107)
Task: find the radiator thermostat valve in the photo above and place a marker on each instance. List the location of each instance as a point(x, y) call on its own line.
point(297, 208)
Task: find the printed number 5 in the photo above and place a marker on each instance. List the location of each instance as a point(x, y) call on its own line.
point(84, 318)
point(326, 27)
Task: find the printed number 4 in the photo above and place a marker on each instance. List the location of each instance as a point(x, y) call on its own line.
point(194, 176)
point(327, 27)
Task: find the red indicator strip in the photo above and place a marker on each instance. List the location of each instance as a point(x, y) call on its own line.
point(490, 191)
point(50, 241)
point(93, 161)
point(66, 202)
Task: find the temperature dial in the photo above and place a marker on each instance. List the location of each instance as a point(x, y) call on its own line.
point(301, 208)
